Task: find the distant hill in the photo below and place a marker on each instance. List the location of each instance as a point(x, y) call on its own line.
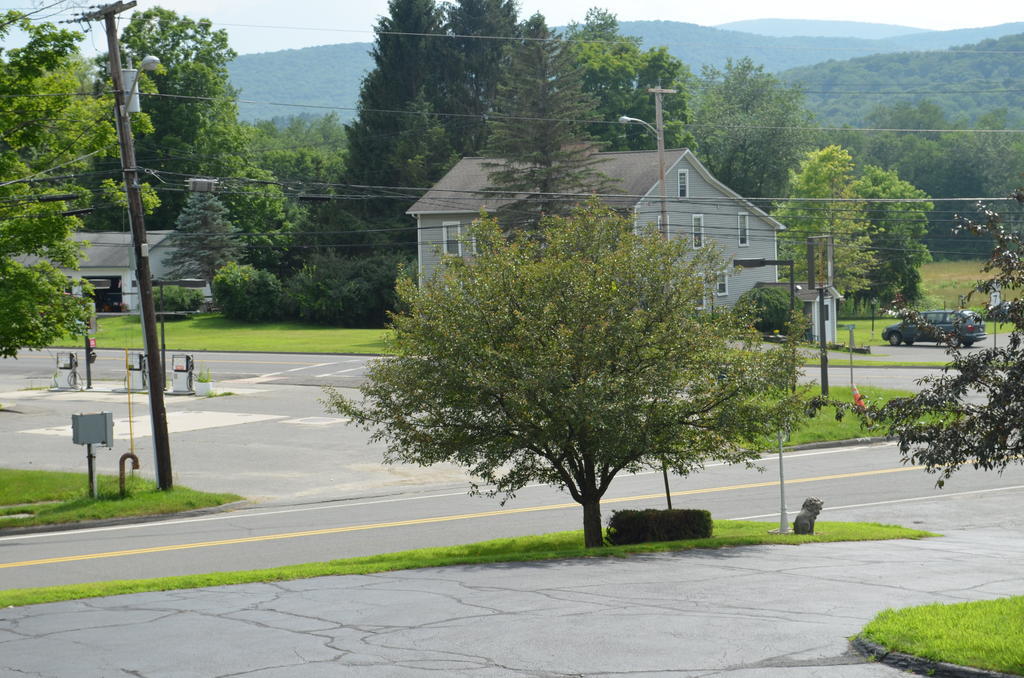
point(330, 75)
point(788, 28)
point(966, 81)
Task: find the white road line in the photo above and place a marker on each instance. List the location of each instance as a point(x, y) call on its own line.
point(309, 367)
point(351, 369)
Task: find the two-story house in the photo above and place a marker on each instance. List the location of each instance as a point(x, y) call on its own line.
point(699, 209)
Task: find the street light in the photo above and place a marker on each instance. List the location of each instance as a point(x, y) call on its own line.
point(659, 133)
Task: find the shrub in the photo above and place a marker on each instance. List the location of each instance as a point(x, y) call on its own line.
point(771, 306)
point(175, 298)
point(636, 527)
point(345, 291)
point(247, 294)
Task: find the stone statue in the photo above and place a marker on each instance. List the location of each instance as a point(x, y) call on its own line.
point(804, 523)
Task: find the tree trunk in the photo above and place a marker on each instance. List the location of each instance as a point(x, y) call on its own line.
point(593, 534)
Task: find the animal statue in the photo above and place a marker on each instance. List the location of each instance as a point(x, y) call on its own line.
point(804, 523)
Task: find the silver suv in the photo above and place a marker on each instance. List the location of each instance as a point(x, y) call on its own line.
point(967, 326)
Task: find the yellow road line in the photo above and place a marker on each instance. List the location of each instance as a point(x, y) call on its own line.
point(438, 519)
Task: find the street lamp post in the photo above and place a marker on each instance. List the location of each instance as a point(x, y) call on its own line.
point(659, 133)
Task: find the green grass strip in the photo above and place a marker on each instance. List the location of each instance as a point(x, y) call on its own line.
point(557, 545)
point(985, 634)
point(54, 498)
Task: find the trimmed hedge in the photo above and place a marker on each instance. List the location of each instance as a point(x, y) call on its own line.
point(636, 527)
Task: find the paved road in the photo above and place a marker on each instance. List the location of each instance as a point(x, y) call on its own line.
point(282, 535)
point(751, 612)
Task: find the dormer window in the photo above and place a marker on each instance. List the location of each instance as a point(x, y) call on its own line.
point(684, 183)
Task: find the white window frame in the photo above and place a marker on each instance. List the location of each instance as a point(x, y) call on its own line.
point(697, 231)
point(743, 229)
point(451, 245)
point(722, 284)
point(683, 183)
point(665, 228)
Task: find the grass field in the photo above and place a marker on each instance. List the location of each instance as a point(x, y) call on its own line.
point(986, 634)
point(527, 548)
point(213, 332)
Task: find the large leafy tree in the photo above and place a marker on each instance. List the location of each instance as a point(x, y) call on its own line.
point(617, 74)
point(195, 120)
point(823, 203)
point(897, 234)
point(946, 426)
point(569, 355)
point(46, 132)
point(751, 129)
point(538, 140)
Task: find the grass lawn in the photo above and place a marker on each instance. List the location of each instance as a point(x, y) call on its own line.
point(52, 498)
point(985, 634)
point(824, 426)
point(213, 332)
point(543, 547)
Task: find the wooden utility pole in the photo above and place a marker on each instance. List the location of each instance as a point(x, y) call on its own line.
point(660, 134)
point(158, 412)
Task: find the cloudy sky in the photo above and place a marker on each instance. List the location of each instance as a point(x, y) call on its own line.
point(268, 25)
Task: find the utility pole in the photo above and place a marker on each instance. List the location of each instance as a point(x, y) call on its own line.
point(158, 412)
point(660, 127)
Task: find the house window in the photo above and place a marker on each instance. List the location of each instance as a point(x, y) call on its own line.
point(451, 232)
point(698, 231)
point(684, 183)
point(722, 284)
point(743, 229)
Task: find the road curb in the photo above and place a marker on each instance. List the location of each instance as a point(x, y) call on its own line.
point(850, 442)
point(919, 665)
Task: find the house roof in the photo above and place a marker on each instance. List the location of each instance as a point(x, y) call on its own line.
point(108, 249)
point(466, 186)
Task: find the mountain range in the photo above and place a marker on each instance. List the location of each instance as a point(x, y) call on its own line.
point(317, 80)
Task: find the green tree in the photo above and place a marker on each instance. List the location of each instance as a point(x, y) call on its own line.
point(473, 67)
point(204, 239)
point(247, 294)
point(823, 202)
point(46, 132)
point(752, 130)
point(944, 427)
point(537, 137)
point(393, 100)
point(617, 74)
point(195, 122)
point(567, 356)
point(897, 234)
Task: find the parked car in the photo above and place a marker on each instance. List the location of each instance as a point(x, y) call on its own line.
point(968, 327)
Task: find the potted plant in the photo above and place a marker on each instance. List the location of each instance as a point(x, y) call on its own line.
point(204, 382)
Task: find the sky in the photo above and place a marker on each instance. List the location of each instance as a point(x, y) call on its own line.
point(270, 25)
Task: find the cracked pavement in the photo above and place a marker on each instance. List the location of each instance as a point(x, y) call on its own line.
point(760, 611)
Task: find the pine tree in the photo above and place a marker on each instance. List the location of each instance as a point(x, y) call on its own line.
point(537, 137)
point(204, 240)
point(394, 98)
point(473, 67)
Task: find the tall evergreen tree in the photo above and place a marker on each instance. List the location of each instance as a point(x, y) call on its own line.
point(473, 66)
point(204, 239)
point(396, 97)
point(537, 138)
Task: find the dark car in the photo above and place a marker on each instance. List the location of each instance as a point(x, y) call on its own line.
point(967, 326)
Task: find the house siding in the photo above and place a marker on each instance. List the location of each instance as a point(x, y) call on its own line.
point(430, 238)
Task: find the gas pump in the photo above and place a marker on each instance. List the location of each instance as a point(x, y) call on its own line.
point(181, 375)
point(67, 372)
point(137, 377)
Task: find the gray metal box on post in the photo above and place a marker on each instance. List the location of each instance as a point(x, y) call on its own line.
point(93, 429)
